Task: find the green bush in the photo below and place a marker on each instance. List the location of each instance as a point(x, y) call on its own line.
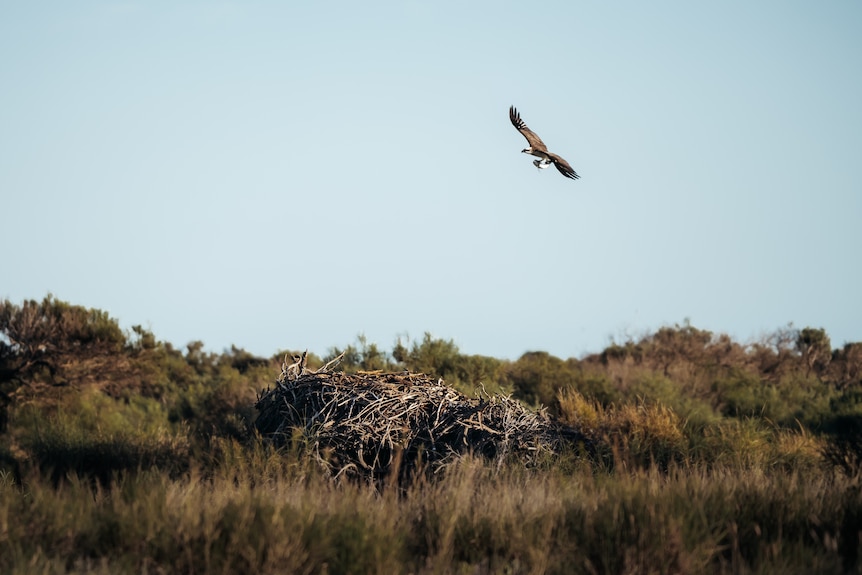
point(661, 389)
point(794, 399)
point(94, 435)
point(597, 385)
point(537, 376)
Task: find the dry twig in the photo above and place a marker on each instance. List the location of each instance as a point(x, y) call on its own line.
point(369, 423)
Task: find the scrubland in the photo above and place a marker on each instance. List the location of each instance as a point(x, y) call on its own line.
point(122, 454)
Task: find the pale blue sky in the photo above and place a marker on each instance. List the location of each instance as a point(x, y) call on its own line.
point(290, 174)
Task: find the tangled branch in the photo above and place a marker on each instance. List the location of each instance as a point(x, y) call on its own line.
point(371, 423)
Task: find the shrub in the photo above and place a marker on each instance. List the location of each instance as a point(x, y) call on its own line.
point(791, 400)
point(638, 434)
point(537, 377)
point(93, 435)
point(657, 388)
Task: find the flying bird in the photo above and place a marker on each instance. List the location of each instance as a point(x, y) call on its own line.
point(538, 148)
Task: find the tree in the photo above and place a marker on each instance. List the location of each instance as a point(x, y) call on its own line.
point(816, 349)
point(432, 356)
point(846, 365)
point(40, 334)
point(362, 357)
point(37, 337)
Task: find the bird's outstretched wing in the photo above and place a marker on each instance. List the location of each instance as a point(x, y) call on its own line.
point(563, 166)
point(535, 141)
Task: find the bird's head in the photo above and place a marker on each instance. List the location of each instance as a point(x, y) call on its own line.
point(527, 151)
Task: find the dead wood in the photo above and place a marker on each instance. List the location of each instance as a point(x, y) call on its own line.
point(370, 424)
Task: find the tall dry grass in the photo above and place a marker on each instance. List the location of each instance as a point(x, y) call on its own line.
point(263, 512)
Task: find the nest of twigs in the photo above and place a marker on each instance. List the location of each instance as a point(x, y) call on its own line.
point(371, 424)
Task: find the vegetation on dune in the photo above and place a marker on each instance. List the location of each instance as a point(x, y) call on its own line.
point(120, 453)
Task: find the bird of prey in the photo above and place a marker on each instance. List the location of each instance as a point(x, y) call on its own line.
point(538, 148)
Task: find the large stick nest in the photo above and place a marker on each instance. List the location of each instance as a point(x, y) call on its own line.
point(371, 424)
